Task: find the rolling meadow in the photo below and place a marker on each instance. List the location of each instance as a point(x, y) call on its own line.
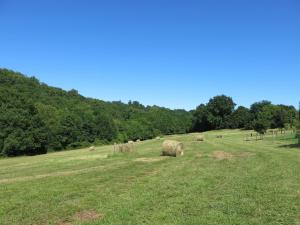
point(224, 180)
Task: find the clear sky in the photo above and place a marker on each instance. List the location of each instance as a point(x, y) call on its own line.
point(171, 53)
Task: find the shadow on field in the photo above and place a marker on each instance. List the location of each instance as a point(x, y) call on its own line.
point(291, 146)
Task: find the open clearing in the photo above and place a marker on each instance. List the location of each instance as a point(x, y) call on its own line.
point(218, 181)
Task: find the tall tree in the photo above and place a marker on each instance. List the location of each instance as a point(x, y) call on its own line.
point(220, 107)
point(202, 119)
point(240, 118)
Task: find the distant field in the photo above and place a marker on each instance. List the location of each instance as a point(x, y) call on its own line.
point(217, 182)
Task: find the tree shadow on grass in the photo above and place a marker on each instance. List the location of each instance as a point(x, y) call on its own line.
point(297, 146)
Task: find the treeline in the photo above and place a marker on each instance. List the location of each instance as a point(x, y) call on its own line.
point(221, 113)
point(36, 118)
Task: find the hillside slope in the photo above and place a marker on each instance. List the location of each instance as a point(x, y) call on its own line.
point(36, 118)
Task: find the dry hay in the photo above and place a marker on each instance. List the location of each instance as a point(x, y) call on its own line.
point(86, 216)
point(124, 148)
point(83, 217)
point(146, 160)
point(245, 154)
point(200, 137)
point(172, 148)
point(84, 157)
point(221, 155)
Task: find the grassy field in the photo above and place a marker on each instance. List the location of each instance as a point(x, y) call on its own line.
point(218, 181)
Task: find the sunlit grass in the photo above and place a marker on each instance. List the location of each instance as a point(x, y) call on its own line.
point(218, 181)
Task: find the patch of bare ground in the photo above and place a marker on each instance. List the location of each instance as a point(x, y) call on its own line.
point(88, 216)
point(84, 216)
point(149, 160)
point(221, 155)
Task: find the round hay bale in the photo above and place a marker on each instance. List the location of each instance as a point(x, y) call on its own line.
point(92, 148)
point(172, 148)
point(124, 148)
point(200, 137)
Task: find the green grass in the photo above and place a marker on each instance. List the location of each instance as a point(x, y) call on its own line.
point(256, 182)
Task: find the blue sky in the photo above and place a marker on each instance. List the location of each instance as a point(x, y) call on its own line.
point(172, 53)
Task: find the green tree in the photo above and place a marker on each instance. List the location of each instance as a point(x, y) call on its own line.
point(264, 119)
point(201, 120)
point(22, 129)
point(240, 118)
point(36, 118)
point(220, 108)
point(298, 132)
point(257, 107)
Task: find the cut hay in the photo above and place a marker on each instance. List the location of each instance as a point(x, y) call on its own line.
point(245, 154)
point(172, 148)
point(200, 137)
point(87, 216)
point(124, 148)
point(221, 155)
point(82, 217)
point(149, 160)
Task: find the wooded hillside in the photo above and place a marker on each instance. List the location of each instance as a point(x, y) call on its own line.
point(36, 118)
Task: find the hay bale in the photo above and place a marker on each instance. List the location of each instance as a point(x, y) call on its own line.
point(124, 148)
point(172, 148)
point(131, 144)
point(200, 137)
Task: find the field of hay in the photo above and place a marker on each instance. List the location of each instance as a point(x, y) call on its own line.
point(219, 181)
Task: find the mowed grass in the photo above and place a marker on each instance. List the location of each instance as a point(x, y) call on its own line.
point(218, 181)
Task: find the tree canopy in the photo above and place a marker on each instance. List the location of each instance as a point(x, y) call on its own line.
point(36, 118)
point(220, 113)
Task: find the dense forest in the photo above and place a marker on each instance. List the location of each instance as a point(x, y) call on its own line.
point(36, 118)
